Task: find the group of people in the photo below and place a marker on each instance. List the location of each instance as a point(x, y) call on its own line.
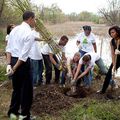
point(25, 63)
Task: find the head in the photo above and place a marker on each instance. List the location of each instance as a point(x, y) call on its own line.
point(87, 30)
point(9, 28)
point(86, 59)
point(76, 57)
point(114, 32)
point(63, 40)
point(29, 17)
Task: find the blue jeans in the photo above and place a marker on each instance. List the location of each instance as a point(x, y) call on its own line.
point(101, 66)
point(63, 77)
point(88, 78)
point(37, 70)
point(82, 53)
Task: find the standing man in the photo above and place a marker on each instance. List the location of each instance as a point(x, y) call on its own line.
point(86, 41)
point(18, 66)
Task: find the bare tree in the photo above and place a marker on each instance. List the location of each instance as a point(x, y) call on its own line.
point(2, 3)
point(112, 13)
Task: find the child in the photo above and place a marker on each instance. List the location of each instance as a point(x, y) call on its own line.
point(71, 68)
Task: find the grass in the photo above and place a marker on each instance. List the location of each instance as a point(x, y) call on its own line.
point(2, 73)
point(89, 109)
point(2, 40)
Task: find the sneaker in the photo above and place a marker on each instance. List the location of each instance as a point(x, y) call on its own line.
point(13, 116)
point(21, 117)
point(33, 117)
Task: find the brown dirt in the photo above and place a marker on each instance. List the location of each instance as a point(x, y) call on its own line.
point(51, 99)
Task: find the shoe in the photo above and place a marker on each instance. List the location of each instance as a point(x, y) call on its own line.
point(13, 116)
point(21, 117)
point(33, 117)
point(62, 85)
point(99, 91)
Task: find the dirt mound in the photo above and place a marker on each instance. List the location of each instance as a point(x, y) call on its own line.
point(49, 99)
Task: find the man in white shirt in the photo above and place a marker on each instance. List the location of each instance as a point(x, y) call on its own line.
point(18, 48)
point(36, 61)
point(48, 65)
point(86, 41)
point(50, 58)
point(89, 60)
point(55, 59)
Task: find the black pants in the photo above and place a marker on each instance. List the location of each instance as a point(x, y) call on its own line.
point(109, 75)
point(22, 89)
point(48, 69)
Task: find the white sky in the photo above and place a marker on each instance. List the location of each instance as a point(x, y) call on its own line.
point(69, 6)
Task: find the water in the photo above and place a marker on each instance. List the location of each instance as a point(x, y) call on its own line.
point(104, 51)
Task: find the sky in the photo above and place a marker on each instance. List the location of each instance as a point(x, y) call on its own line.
point(77, 6)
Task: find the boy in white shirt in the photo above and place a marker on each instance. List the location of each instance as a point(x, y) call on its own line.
point(89, 60)
point(36, 61)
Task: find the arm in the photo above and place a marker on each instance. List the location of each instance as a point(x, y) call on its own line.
point(18, 63)
point(85, 72)
point(95, 47)
point(112, 54)
point(52, 59)
point(69, 67)
point(8, 56)
point(77, 72)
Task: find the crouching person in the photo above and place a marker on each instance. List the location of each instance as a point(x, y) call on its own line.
point(88, 60)
point(71, 68)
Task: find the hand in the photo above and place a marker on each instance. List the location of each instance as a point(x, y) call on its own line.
point(73, 82)
point(9, 70)
point(117, 52)
point(70, 75)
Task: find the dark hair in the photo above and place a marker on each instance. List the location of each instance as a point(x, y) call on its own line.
point(9, 28)
point(86, 58)
point(27, 15)
point(86, 27)
point(116, 28)
point(64, 37)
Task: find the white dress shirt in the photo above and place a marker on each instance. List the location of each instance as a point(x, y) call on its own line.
point(35, 52)
point(20, 41)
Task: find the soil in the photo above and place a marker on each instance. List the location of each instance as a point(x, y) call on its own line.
point(50, 99)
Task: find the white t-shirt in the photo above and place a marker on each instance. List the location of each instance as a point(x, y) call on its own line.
point(94, 58)
point(45, 49)
point(86, 42)
point(35, 52)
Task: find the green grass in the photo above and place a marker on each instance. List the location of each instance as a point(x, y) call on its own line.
point(2, 73)
point(89, 109)
point(94, 110)
point(2, 40)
